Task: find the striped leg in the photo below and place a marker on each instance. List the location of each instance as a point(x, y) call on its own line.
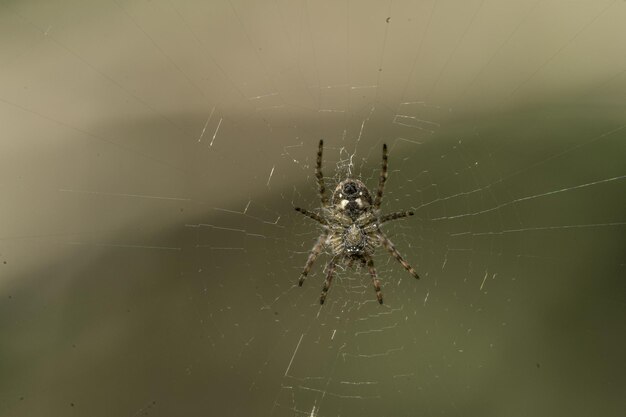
point(393, 216)
point(383, 178)
point(317, 249)
point(320, 176)
point(312, 215)
point(375, 281)
point(394, 252)
point(329, 280)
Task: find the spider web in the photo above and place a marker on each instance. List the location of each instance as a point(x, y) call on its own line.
point(153, 251)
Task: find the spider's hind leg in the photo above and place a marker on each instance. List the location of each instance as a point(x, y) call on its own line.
point(329, 279)
point(394, 252)
point(317, 249)
point(375, 280)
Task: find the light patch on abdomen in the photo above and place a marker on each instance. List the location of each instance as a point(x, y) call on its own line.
point(353, 236)
point(354, 240)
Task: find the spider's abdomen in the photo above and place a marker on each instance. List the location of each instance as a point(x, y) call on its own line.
point(351, 197)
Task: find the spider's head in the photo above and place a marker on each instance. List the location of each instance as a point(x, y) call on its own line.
point(352, 196)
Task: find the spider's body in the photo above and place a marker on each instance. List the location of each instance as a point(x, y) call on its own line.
point(351, 222)
point(347, 217)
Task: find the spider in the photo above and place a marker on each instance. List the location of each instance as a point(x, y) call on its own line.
point(351, 226)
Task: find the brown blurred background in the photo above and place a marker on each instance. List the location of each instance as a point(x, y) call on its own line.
point(151, 154)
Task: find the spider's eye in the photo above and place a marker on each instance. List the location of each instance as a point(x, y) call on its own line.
point(350, 188)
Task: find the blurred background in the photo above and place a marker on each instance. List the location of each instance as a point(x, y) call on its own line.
point(152, 153)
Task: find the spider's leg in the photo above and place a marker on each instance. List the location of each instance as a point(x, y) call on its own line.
point(329, 279)
point(320, 176)
point(312, 215)
point(394, 252)
point(393, 216)
point(383, 178)
point(375, 281)
point(317, 249)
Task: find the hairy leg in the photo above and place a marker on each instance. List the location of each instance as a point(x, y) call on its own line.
point(375, 281)
point(317, 249)
point(312, 215)
point(394, 252)
point(320, 176)
point(382, 179)
point(394, 216)
point(329, 279)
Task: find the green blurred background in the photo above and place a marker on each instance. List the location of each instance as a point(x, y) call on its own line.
point(151, 154)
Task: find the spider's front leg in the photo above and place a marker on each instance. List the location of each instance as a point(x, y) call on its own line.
point(320, 176)
point(382, 179)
